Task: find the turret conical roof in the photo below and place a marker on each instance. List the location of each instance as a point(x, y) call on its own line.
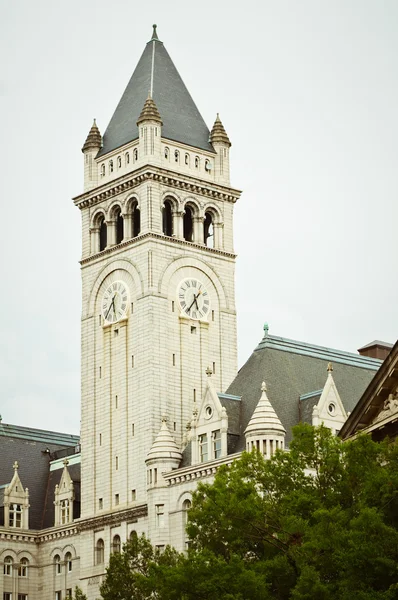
point(164, 445)
point(156, 73)
point(149, 112)
point(218, 133)
point(93, 140)
point(264, 416)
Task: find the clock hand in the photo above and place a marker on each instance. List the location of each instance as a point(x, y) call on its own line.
point(193, 302)
point(110, 306)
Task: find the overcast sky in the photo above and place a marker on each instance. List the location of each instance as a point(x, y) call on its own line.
point(308, 93)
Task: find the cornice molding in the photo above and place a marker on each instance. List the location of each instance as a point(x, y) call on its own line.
point(157, 236)
point(113, 519)
point(171, 178)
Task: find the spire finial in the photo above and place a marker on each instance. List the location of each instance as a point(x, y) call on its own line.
point(164, 417)
point(66, 462)
point(154, 34)
point(266, 329)
point(263, 387)
point(15, 466)
point(209, 372)
point(330, 367)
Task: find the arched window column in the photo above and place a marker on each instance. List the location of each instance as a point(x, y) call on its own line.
point(178, 224)
point(111, 230)
point(127, 226)
point(218, 232)
point(198, 230)
point(95, 239)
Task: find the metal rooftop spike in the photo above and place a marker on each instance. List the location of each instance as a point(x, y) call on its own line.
point(154, 34)
point(182, 122)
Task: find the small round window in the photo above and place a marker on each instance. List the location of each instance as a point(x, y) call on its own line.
point(332, 409)
point(208, 412)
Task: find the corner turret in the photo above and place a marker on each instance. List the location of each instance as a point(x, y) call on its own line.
point(221, 144)
point(264, 431)
point(90, 149)
point(149, 131)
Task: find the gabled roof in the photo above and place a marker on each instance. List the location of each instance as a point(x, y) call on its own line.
point(32, 448)
point(156, 74)
point(292, 369)
point(371, 403)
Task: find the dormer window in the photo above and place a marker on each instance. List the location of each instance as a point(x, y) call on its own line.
point(135, 154)
point(127, 158)
point(65, 511)
point(119, 162)
point(16, 515)
point(216, 443)
point(187, 159)
point(203, 450)
point(207, 166)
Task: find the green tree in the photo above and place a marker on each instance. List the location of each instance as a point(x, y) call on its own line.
point(316, 523)
point(78, 595)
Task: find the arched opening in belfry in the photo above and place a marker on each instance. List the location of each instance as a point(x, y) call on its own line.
point(167, 218)
point(119, 226)
point(188, 224)
point(103, 233)
point(136, 215)
point(208, 230)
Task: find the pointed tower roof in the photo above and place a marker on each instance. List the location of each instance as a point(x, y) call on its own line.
point(149, 111)
point(218, 133)
point(264, 416)
point(164, 445)
point(182, 122)
point(93, 140)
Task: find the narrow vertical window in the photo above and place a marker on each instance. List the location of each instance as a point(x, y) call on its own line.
point(174, 360)
point(214, 368)
point(116, 499)
point(167, 218)
point(133, 495)
point(100, 439)
point(132, 429)
point(159, 513)
point(188, 224)
point(216, 440)
point(172, 306)
point(132, 362)
point(203, 453)
point(116, 463)
point(111, 166)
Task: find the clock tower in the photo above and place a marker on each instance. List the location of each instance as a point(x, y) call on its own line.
point(158, 298)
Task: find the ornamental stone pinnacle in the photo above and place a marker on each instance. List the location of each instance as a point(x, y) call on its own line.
point(218, 135)
point(15, 466)
point(66, 462)
point(149, 112)
point(330, 367)
point(264, 417)
point(93, 140)
point(209, 372)
point(154, 33)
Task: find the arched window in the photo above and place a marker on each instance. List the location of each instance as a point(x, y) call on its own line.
point(119, 162)
point(99, 552)
point(186, 505)
point(127, 158)
point(23, 567)
point(65, 511)
point(119, 225)
point(187, 159)
point(102, 170)
point(68, 561)
point(188, 224)
point(57, 564)
point(167, 218)
point(16, 515)
point(116, 544)
point(8, 565)
point(176, 156)
point(207, 165)
point(111, 166)
point(166, 153)
point(136, 220)
point(208, 230)
point(133, 535)
point(103, 233)
point(135, 154)
point(196, 162)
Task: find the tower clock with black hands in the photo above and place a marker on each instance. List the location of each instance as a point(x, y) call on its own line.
point(193, 298)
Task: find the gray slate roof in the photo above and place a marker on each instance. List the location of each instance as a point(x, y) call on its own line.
point(291, 369)
point(182, 122)
point(29, 447)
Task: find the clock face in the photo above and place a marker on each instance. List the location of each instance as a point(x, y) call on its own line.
point(194, 298)
point(115, 302)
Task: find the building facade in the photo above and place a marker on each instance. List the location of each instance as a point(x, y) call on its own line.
point(163, 404)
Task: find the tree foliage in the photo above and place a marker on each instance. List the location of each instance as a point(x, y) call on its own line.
point(317, 522)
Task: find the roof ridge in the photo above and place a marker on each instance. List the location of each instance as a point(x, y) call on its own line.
point(295, 346)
